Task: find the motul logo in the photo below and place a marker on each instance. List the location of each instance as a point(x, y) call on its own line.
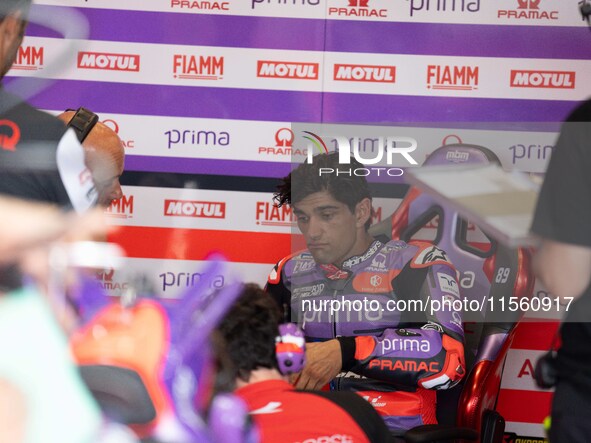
point(111, 62)
point(186, 208)
point(293, 70)
point(365, 73)
point(29, 58)
point(543, 79)
point(461, 78)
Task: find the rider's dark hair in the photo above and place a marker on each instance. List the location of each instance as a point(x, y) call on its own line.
point(249, 331)
point(306, 179)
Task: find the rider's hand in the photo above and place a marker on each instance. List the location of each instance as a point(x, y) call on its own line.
point(323, 363)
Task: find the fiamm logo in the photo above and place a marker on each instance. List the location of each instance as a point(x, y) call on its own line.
point(365, 73)
point(457, 78)
point(294, 3)
point(357, 8)
point(444, 6)
point(122, 208)
point(200, 5)
point(198, 67)
point(29, 58)
point(268, 214)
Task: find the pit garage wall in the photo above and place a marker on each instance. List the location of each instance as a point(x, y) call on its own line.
point(194, 89)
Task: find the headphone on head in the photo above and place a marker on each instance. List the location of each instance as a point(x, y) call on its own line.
point(290, 349)
point(82, 122)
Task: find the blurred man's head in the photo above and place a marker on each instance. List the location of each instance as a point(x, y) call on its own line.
point(333, 211)
point(104, 157)
point(249, 331)
point(13, 21)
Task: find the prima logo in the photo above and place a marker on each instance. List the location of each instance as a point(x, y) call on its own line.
point(295, 3)
point(531, 152)
point(172, 280)
point(445, 6)
point(196, 137)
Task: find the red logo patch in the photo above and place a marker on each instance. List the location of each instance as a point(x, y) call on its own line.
point(8, 141)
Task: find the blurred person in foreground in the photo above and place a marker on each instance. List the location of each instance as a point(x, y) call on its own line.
point(42, 398)
point(563, 264)
point(250, 333)
point(39, 158)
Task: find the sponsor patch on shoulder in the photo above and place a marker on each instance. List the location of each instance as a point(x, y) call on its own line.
point(428, 256)
point(448, 284)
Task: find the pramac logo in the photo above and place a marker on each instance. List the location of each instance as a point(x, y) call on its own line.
point(284, 137)
point(10, 134)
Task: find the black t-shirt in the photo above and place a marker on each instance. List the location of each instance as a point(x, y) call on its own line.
point(39, 161)
point(28, 145)
point(563, 214)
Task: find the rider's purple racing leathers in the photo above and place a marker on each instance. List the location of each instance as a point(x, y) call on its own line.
point(392, 310)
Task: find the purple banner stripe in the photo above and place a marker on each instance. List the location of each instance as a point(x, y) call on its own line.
point(309, 34)
point(196, 29)
point(206, 166)
point(289, 106)
point(181, 101)
point(228, 167)
point(559, 42)
point(368, 108)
